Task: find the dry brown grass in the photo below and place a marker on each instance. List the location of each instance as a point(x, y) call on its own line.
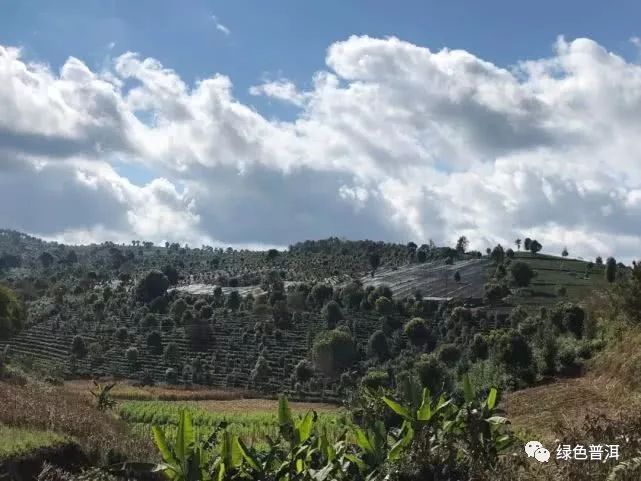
point(128, 392)
point(104, 438)
point(261, 405)
point(539, 410)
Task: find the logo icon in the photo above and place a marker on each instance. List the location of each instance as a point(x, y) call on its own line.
point(535, 449)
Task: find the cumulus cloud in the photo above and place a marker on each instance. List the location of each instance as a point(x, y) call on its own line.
point(392, 141)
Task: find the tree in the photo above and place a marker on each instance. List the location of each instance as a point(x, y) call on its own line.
point(433, 374)
point(154, 284)
point(610, 269)
point(513, 350)
point(272, 254)
point(377, 346)
point(11, 313)
point(334, 351)
point(564, 253)
point(303, 371)
point(462, 245)
point(171, 273)
point(171, 353)
point(521, 273)
point(78, 347)
point(233, 300)
point(518, 244)
point(457, 277)
point(509, 253)
point(131, 354)
point(498, 254)
point(527, 243)
point(418, 332)
point(535, 246)
point(384, 306)
point(479, 349)
point(154, 342)
point(46, 259)
point(449, 354)
point(332, 314)
point(421, 255)
point(374, 261)
point(598, 261)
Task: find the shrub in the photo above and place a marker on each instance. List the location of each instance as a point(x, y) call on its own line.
point(449, 354)
point(171, 353)
point(377, 346)
point(152, 285)
point(352, 294)
point(433, 374)
point(131, 354)
point(513, 350)
point(303, 371)
point(320, 293)
point(384, 306)
point(78, 347)
point(332, 314)
point(154, 342)
point(521, 273)
point(375, 379)
point(418, 332)
point(233, 300)
point(573, 320)
point(178, 308)
point(334, 351)
point(261, 371)
point(121, 335)
point(479, 349)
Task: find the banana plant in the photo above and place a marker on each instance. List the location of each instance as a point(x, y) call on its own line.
point(102, 394)
point(188, 458)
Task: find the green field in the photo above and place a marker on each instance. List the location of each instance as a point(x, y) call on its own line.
point(16, 441)
point(552, 272)
point(252, 427)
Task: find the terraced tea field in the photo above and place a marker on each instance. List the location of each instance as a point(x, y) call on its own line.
point(434, 279)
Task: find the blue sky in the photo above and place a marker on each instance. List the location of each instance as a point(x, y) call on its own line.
point(289, 37)
point(329, 127)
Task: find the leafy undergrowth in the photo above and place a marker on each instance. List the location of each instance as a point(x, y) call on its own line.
point(36, 406)
point(251, 420)
point(16, 441)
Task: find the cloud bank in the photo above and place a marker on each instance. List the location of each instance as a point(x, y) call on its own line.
point(393, 141)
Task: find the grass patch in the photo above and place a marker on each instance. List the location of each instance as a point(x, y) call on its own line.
point(16, 441)
point(37, 406)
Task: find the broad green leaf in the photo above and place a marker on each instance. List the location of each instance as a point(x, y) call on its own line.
point(161, 443)
point(253, 462)
point(185, 438)
point(491, 398)
point(397, 408)
point(468, 394)
point(284, 413)
point(363, 440)
point(497, 420)
point(357, 461)
point(299, 466)
point(424, 412)
point(305, 426)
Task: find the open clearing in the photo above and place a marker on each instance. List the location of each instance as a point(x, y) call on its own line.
point(539, 410)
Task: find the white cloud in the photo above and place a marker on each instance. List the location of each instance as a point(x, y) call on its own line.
point(219, 26)
point(392, 141)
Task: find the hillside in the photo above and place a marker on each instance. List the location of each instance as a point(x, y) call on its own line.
point(243, 319)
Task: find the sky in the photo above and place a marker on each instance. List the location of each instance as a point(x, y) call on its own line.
point(259, 124)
